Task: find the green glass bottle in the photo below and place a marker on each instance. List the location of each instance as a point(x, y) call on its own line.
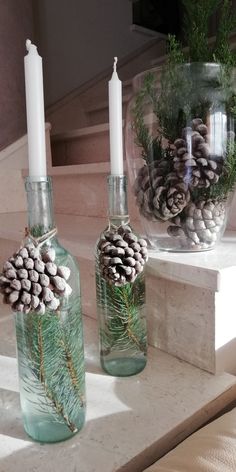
point(120, 306)
point(50, 345)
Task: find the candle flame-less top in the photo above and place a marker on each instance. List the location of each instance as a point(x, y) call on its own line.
point(35, 112)
point(115, 122)
point(115, 62)
point(31, 48)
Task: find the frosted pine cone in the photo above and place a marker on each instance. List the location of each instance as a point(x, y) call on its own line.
point(122, 255)
point(199, 223)
point(194, 162)
point(31, 281)
point(171, 197)
point(160, 195)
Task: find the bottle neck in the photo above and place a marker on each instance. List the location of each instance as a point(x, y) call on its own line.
point(40, 206)
point(117, 197)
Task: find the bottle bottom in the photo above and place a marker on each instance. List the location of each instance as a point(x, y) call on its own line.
point(46, 431)
point(123, 366)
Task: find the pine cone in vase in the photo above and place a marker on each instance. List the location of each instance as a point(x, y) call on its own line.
point(171, 197)
point(199, 223)
point(194, 161)
point(31, 281)
point(122, 255)
point(145, 185)
point(160, 193)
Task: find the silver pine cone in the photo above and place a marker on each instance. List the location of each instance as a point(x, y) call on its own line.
point(31, 281)
point(121, 255)
point(199, 224)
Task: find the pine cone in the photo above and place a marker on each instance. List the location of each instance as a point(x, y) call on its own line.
point(31, 281)
point(171, 197)
point(122, 255)
point(194, 161)
point(160, 195)
point(200, 223)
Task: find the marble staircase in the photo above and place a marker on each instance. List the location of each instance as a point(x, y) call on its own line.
point(190, 297)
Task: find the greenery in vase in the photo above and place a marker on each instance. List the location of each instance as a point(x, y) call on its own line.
point(178, 101)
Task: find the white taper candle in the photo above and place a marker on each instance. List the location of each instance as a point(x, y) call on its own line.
point(115, 123)
point(35, 112)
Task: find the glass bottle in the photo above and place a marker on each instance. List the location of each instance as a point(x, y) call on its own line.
point(50, 346)
point(121, 309)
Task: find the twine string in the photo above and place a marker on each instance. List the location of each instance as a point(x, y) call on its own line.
point(116, 227)
point(40, 240)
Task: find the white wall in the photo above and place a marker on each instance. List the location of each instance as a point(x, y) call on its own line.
point(78, 39)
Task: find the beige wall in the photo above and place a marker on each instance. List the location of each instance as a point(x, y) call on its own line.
point(78, 39)
point(16, 24)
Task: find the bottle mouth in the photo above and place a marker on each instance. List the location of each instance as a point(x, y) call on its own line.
point(30, 179)
point(36, 183)
point(112, 179)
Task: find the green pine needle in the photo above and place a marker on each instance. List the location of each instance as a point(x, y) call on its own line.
point(222, 53)
point(122, 326)
point(52, 364)
point(226, 183)
point(196, 23)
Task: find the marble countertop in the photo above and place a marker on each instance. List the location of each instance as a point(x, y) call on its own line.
point(131, 422)
point(208, 269)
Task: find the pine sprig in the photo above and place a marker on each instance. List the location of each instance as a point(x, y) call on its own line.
point(226, 182)
point(51, 363)
point(175, 54)
point(196, 34)
point(124, 327)
point(196, 24)
point(222, 52)
point(151, 147)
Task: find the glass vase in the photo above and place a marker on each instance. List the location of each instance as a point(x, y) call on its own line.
point(120, 306)
point(50, 345)
point(180, 148)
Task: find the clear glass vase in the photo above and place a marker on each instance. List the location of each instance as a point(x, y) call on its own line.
point(180, 148)
point(50, 346)
point(120, 308)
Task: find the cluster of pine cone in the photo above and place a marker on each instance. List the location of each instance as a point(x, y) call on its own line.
point(121, 255)
point(200, 223)
point(31, 281)
point(163, 188)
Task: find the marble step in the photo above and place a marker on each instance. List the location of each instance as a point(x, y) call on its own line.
point(77, 112)
point(13, 159)
point(98, 112)
point(81, 146)
point(97, 96)
point(75, 190)
point(190, 297)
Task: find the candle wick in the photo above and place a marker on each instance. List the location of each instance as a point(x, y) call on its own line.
point(115, 62)
point(28, 43)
